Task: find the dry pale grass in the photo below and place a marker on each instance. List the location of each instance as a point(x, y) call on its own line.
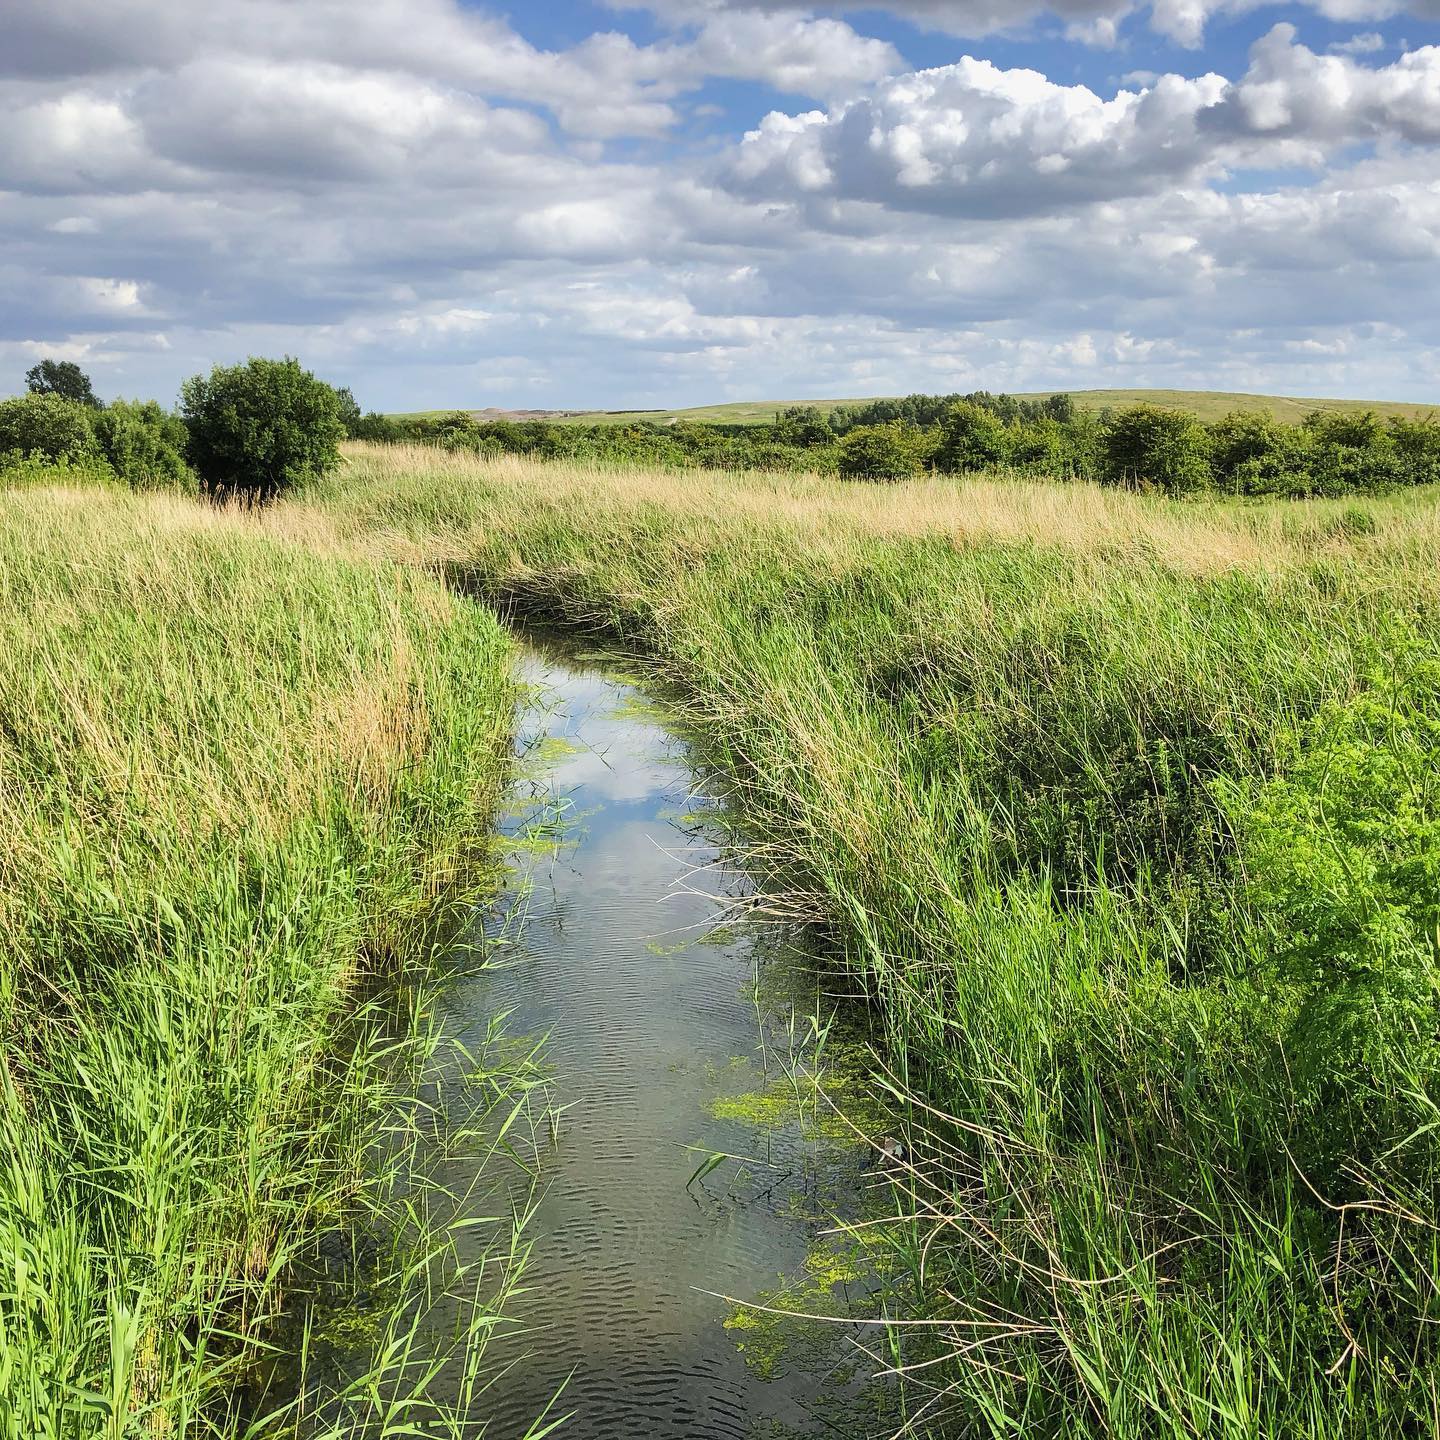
point(122, 650)
point(1191, 537)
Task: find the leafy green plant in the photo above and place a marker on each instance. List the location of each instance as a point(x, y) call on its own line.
point(144, 444)
point(1342, 851)
point(1152, 448)
point(1417, 443)
point(973, 439)
point(804, 426)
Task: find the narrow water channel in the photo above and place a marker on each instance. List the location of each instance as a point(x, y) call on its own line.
point(664, 1036)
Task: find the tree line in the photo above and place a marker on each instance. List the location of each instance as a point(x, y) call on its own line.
point(245, 432)
point(254, 430)
point(1145, 447)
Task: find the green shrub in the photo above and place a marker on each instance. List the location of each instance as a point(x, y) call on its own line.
point(145, 445)
point(1343, 855)
point(63, 378)
point(973, 439)
point(47, 425)
point(1417, 446)
point(33, 472)
point(261, 428)
point(888, 452)
point(1043, 447)
point(1251, 454)
point(378, 429)
point(1347, 453)
point(1153, 448)
point(803, 426)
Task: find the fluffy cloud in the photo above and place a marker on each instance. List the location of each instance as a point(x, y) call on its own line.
point(606, 85)
point(976, 141)
point(427, 204)
point(1324, 100)
point(1095, 21)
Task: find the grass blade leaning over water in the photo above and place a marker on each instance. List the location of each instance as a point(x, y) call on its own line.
point(1112, 804)
point(242, 769)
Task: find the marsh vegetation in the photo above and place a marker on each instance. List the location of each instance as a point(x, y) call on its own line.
point(1125, 811)
point(1119, 811)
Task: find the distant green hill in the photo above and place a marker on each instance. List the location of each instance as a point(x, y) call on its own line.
point(1207, 404)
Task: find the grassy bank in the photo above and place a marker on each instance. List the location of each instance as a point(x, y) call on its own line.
point(1126, 811)
point(242, 769)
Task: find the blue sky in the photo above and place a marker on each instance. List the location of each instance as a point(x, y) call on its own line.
point(596, 205)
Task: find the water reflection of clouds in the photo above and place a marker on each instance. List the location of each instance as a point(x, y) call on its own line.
point(596, 773)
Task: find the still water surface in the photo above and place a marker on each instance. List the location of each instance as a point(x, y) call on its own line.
point(652, 1018)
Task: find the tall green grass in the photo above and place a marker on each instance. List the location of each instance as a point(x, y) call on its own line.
point(1126, 813)
point(243, 769)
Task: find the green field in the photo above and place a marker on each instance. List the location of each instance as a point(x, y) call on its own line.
point(1119, 812)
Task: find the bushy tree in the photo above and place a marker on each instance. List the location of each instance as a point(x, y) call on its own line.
point(145, 444)
point(1154, 448)
point(1251, 453)
point(47, 425)
point(974, 438)
point(350, 414)
point(257, 429)
point(803, 426)
point(1043, 447)
point(889, 452)
point(1417, 444)
point(61, 377)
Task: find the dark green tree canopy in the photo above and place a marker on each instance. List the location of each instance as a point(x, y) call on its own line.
point(47, 425)
point(350, 413)
point(259, 429)
point(61, 377)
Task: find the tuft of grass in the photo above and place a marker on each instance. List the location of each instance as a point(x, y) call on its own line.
point(1119, 810)
point(243, 766)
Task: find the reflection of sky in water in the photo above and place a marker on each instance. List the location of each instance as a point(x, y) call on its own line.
point(648, 1022)
point(606, 777)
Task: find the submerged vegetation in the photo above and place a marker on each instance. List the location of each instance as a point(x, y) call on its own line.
point(1125, 812)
